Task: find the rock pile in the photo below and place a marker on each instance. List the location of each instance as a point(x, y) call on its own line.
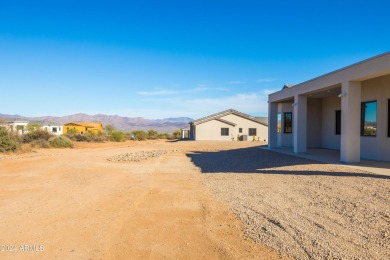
point(139, 156)
point(144, 155)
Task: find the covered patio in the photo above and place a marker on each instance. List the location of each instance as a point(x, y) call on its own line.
point(345, 110)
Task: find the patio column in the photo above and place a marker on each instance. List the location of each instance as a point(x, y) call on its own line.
point(272, 125)
point(182, 134)
point(300, 123)
point(350, 121)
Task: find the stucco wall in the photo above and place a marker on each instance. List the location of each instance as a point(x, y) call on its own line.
point(314, 122)
point(245, 124)
point(329, 139)
point(377, 148)
point(49, 128)
point(211, 130)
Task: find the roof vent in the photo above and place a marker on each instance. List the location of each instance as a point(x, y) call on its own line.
point(287, 86)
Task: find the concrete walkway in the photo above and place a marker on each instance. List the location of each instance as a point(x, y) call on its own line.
point(333, 157)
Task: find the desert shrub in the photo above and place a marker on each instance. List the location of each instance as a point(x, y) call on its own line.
point(163, 136)
point(31, 127)
point(60, 142)
point(25, 148)
point(170, 137)
point(152, 134)
point(8, 141)
point(41, 143)
point(139, 135)
point(36, 135)
point(89, 136)
point(72, 131)
point(80, 138)
point(117, 136)
point(97, 138)
point(109, 129)
point(176, 134)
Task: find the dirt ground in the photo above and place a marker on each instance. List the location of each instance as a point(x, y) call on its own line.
point(75, 204)
point(190, 200)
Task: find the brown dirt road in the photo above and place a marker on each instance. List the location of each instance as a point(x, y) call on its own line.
point(78, 205)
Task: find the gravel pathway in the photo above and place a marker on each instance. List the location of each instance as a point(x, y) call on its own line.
point(302, 208)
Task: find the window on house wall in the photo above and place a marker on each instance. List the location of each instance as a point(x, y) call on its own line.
point(368, 118)
point(240, 130)
point(288, 123)
point(54, 129)
point(279, 124)
point(224, 131)
point(252, 132)
point(338, 122)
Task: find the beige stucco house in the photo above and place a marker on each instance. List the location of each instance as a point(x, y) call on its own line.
point(346, 110)
point(229, 125)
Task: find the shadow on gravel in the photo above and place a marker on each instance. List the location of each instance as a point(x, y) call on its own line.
point(255, 160)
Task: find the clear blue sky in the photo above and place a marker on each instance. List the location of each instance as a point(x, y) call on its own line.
point(159, 59)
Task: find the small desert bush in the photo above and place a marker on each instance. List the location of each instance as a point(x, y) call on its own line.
point(176, 134)
point(72, 131)
point(95, 137)
point(37, 135)
point(25, 148)
point(139, 135)
point(60, 142)
point(89, 136)
point(31, 127)
point(163, 136)
point(8, 141)
point(40, 143)
point(152, 135)
point(117, 136)
point(79, 138)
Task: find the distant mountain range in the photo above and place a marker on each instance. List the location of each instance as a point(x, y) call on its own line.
point(121, 123)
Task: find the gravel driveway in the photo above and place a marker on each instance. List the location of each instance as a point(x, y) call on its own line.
point(302, 208)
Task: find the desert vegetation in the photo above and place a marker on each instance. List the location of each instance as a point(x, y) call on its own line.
point(36, 137)
point(111, 134)
point(60, 142)
point(9, 142)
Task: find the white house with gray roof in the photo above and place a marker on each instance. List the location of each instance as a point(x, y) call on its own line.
point(229, 125)
point(346, 110)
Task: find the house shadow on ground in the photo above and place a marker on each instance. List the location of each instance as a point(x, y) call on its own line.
point(260, 161)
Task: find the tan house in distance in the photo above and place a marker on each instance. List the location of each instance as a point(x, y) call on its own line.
point(229, 125)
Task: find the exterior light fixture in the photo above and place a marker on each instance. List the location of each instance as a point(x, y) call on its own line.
point(342, 94)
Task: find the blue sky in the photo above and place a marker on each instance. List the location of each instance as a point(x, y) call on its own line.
point(160, 59)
